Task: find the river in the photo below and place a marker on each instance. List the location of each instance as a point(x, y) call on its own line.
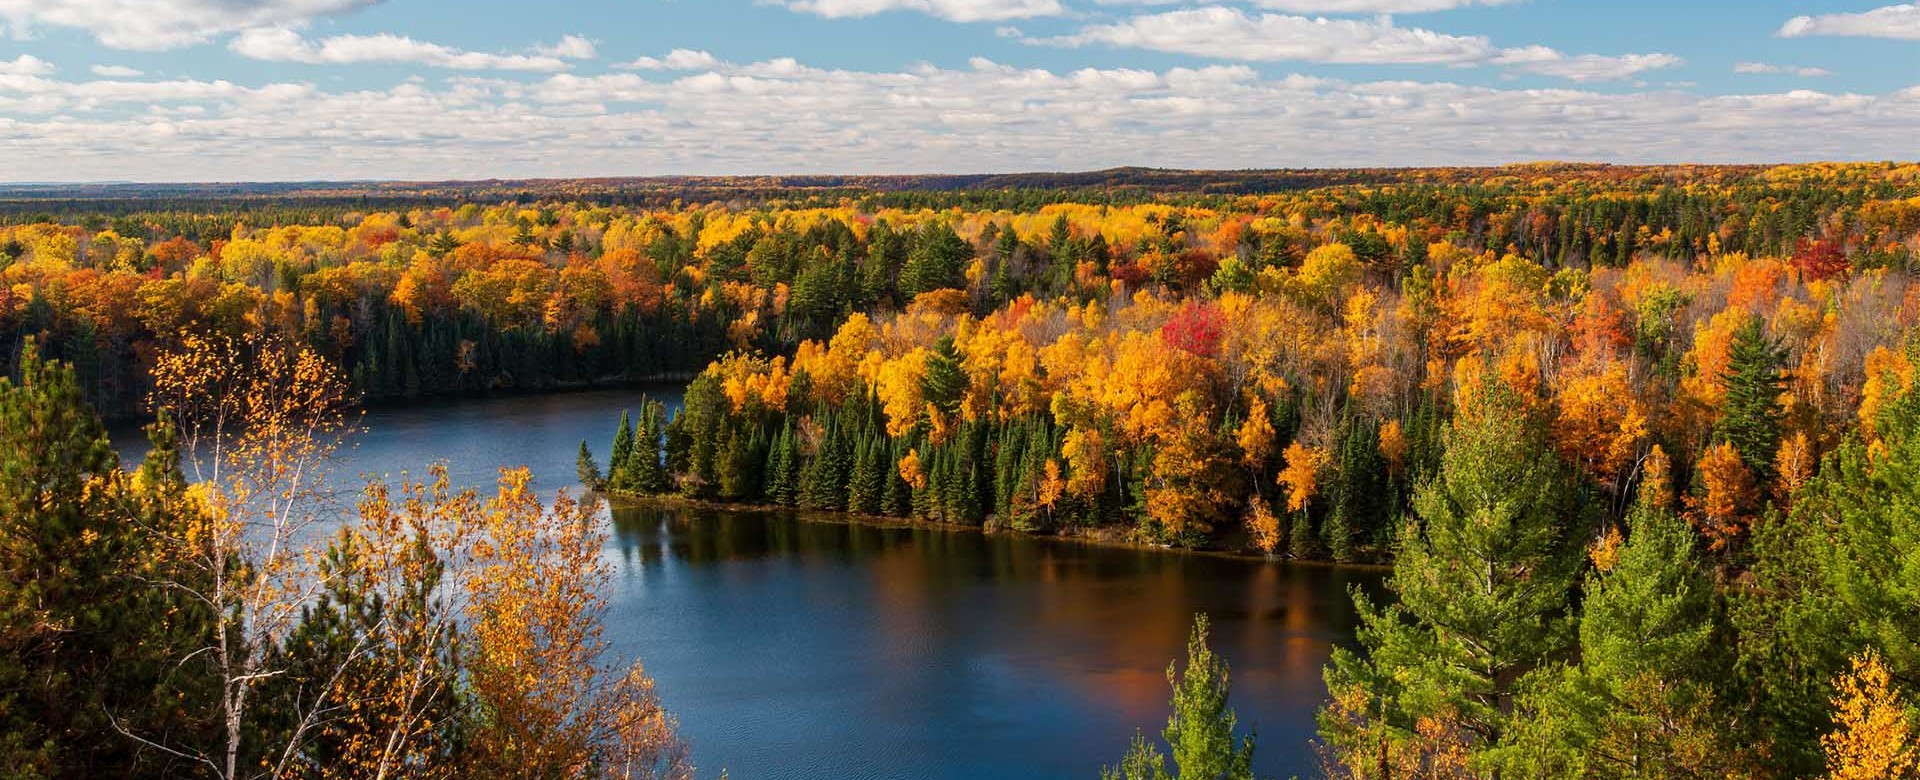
point(814, 649)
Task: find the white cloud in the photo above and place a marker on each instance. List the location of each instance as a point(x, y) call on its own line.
point(1792, 70)
point(26, 65)
point(786, 116)
point(1344, 6)
point(951, 10)
point(1893, 21)
point(1584, 67)
point(115, 71)
point(166, 24)
point(678, 59)
point(283, 45)
point(1228, 33)
point(572, 47)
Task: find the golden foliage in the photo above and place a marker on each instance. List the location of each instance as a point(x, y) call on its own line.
point(1873, 736)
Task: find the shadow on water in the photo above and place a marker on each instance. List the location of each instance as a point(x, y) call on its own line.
point(795, 647)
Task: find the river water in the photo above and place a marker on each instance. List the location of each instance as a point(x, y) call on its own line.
point(816, 649)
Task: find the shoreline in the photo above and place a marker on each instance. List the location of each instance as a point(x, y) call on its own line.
point(1112, 538)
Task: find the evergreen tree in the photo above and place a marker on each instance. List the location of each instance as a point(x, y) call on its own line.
point(1750, 418)
point(619, 473)
point(1200, 732)
point(84, 641)
point(1833, 578)
point(938, 260)
point(1483, 581)
point(897, 498)
point(648, 473)
point(824, 482)
point(1641, 702)
point(866, 486)
point(944, 382)
point(783, 469)
point(588, 468)
point(1356, 504)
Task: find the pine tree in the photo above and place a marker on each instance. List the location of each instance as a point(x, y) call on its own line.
point(1355, 502)
point(937, 260)
point(1642, 701)
point(731, 466)
point(1483, 581)
point(1200, 732)
point(1825, 579)
point(84, 636)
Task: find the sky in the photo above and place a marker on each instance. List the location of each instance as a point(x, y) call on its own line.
point(302, 90)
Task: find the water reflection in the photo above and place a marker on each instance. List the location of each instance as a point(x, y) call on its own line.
point(804, 648)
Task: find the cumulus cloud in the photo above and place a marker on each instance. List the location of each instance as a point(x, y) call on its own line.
point(678, 59)
point(166, 24)
point(1893, 21)
point(116, 71)
point(1344, 6)
point(571, 47)
point(787, 116)
point(1229, 33)
point(279, 44)
point(26, 65)
point(1792, 70)
point(951, 10)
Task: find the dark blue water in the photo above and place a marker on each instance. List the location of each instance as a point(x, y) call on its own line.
point(816, 649)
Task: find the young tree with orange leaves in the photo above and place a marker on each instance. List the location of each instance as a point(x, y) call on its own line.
point(1874, 736)
point(534, 651)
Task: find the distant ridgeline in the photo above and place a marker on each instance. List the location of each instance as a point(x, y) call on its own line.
point(1262, 357)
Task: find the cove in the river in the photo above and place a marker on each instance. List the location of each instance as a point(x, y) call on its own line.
point(795, 648)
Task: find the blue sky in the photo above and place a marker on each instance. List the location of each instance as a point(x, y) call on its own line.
point(192, 90)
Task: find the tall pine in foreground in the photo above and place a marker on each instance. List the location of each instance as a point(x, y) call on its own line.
point(1642, 701)
point(1200, 731)
point(1483, 579)
point(87, 647)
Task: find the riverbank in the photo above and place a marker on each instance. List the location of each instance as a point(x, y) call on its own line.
point(1108, 537)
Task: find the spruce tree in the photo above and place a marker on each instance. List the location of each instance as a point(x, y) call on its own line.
point(1750, 417)
point(783, 469)
point(824, 482)
point(897, 497)
point(944, 382)
point(866, 485)
point(588, 468)
point(731, 465)
point(618, 475)
point(647, 472)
